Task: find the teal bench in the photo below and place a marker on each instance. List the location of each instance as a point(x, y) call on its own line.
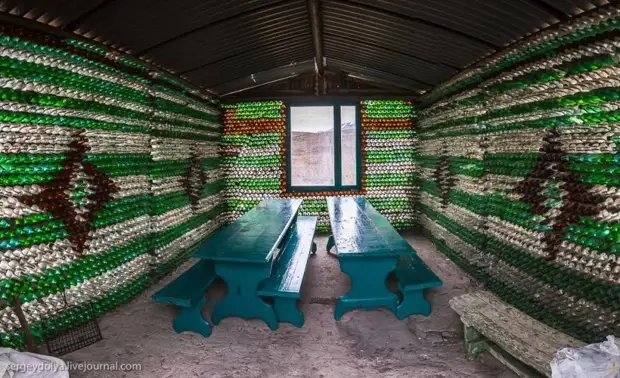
point(284, 284)
point(413, 277)
point(188, 292)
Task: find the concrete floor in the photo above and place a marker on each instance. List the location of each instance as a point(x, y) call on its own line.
point(362, 344)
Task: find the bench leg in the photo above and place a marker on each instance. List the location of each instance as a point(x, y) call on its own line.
point(475, 342)
point(287, 311)
point(242, 299)
point(330, 244)
point(313, 248)
point(413, 303)
point(190, 319)
point(368, 288)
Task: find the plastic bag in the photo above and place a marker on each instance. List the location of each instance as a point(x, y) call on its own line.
point(15, 364)
point(601, 360)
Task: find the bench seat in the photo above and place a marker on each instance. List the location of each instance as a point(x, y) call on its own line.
point(413, 277)
point(284, 284)
point(521, 342)
point(188, 292)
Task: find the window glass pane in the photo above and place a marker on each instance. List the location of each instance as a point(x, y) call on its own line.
point(312, 146)
point(348, 127)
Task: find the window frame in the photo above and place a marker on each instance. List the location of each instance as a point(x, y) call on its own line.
point(337, 147)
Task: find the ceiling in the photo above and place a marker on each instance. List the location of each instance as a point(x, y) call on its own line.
point(230, 45)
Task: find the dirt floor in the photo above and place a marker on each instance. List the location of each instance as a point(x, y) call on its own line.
point(362, 344)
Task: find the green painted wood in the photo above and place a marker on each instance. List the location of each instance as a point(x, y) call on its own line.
point(413, 302)
point(471, 334)
point(244, 253)
point(413, 274)
point(396, 242)
point(368, 283)
point(254, 237)
point(289, 271)
point(337, 147)
point(362, 233)
point(187, 289)
point(330, 243)
point(359, 229)
point(287, 311)
point(475, 342)
point(188, 292)
point(190, 319)
point(367, 251)
point(242, 299)
point(413, 277)
point(285, 282)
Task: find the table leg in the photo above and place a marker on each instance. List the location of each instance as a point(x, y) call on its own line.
point(242, 301)
point(368, 284)
point(330, 244)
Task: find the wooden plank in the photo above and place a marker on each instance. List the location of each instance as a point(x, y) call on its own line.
point(517, 341)
point(413, 273)
point(291, 267)
point(520, 369)
point(520, 335)
point(550, 339)
point(385, 228)
point(358, 229)
point(293, 275)
point(505, 339)
point(253, 237)
point(553, 339)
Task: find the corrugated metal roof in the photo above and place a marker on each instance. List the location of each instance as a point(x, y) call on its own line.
point(497, 22)
point(247, 33)
point(573, 6)
point(216, 42)
point(381, 75)
point(142, 24)
point(387, 61)
point(410, 37)
point(249, 63)
point(58, 13)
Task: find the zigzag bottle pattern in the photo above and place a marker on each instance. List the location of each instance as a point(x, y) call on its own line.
point(108, 178)
point(531, 138)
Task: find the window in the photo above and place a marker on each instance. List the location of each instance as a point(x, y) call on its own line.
point(323, 145)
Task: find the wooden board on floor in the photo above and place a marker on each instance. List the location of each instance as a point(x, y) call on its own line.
point(517, 333)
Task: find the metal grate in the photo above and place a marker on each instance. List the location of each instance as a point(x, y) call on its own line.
point(63, 341)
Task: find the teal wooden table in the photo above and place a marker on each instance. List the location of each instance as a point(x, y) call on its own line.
point(243, 254)
point(368, 248)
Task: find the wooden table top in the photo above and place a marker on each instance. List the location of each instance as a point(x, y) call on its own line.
point(359, 230)
point(254, 237)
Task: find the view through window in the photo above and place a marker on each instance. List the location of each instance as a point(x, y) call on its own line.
point(348, 139)
point(316, 142)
